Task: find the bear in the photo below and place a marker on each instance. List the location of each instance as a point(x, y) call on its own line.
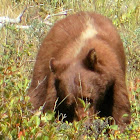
point(82, 59)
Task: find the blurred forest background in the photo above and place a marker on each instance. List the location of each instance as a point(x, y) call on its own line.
point(20, 38)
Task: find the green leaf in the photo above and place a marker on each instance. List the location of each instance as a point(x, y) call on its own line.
point(125, 115)
point(114, 127)
point(87, 106)
point(21, 137)
point(34, 120)
point(37, 120)
point(82, 102)
point(50, 116)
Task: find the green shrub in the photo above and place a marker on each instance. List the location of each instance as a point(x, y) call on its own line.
point(18, 48)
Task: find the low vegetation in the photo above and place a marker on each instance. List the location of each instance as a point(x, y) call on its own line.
point(18, 49)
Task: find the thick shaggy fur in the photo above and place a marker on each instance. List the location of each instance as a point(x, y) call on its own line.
point(82, 57)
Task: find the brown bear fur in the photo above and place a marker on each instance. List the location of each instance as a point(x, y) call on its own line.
point(82, 57)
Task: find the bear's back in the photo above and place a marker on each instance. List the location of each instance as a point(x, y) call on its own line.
point(67, 37)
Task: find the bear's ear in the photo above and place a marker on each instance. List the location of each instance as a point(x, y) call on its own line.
point(92, 59)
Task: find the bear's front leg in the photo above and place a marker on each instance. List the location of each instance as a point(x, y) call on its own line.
point(121, 106)
point(51, 94)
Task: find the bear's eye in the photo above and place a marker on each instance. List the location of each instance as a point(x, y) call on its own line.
point(85, 103)
point(85, 100)
point(88, 100)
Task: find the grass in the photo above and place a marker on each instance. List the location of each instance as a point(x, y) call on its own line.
point(18, 49)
